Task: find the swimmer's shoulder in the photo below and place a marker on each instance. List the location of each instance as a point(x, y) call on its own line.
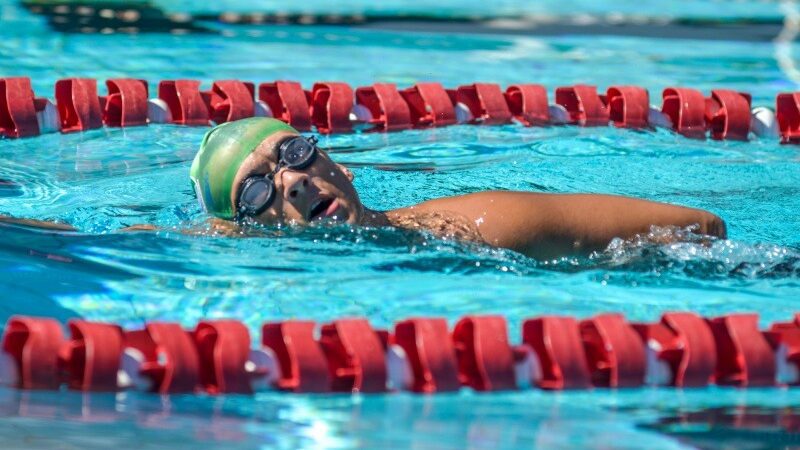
point(482, 206)
point(469, 202)
point(462, 216)
point(438, 217)
point(509, 219)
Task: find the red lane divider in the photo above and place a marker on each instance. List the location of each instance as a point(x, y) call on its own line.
point(389, 110)
point(288, 102)
point(557, 352)
point(430, 352)
point(170, 357)
point(302, 362)
point(485, 357)
point(728, 114)
point(230, 100)
point(528, 104)
point(686, 108)
point(486, 103)
point(17, 108)
point(614, 350)
point(745, 357)
point(629, 106)
point(585, 107)
point(356, 356)
point(126, 104)
point(92, 356)
point(34, 344)
point(223, 348)
point(429, 105)
point(186, 105)
point(787, 110)
point(331, 103)
point(78, 104)
point(784, 338)
point(328, 107)
point(685, 342)
point(557, 342)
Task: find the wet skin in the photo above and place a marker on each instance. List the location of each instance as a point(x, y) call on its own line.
point(538, 225)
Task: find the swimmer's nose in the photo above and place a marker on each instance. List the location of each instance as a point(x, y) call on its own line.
point(295, 184)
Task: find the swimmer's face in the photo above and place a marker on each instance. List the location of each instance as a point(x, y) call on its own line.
point(322, 191)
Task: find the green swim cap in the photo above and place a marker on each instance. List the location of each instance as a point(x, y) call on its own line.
point(222, 152)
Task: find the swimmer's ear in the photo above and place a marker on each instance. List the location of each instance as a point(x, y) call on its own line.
point(346, 172)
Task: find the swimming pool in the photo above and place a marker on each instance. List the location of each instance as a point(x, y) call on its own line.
point(102, 180)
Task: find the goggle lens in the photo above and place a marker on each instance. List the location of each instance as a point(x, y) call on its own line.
point(256, 195)
point(298, 152)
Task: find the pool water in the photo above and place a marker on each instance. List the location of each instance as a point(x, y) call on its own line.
point(102, 180)
point(690, 9)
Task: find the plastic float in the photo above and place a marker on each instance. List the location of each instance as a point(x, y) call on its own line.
point(419, 355)
point(335, 107)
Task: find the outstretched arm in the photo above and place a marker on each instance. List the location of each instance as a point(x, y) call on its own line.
point(592, 221)
point(551, 225)
point(36, 223)
point(215, 226)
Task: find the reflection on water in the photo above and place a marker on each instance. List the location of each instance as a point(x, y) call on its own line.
point(739, 427)
point(635, 419)
point(38, 419)
point(45, 419)
point(9, 188)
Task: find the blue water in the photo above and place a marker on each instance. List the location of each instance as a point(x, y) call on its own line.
point(102, 180)
point(702, 9)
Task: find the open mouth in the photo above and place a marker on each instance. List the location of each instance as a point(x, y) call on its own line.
point(322, 208)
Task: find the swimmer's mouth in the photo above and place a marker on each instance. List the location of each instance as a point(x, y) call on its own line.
point(320, 208)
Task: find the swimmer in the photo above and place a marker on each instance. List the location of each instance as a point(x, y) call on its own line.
point(261, 170)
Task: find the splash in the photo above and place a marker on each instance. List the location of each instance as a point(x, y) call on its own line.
point(666, 250)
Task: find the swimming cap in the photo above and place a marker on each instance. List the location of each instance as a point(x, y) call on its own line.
point(222, 152)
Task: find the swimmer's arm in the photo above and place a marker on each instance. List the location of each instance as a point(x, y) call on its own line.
point(581, 223)
point(140, 227)
point(33, 223)
point(215, 227)
point(46, 225)
point(552, 225)
point(592, 221)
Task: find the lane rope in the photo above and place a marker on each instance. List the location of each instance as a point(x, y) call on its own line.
point(420, 355)
point(335, 107)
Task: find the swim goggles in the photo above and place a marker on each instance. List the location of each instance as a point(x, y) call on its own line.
point(258, 191)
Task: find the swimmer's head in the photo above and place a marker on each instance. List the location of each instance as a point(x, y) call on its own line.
point(234, 152)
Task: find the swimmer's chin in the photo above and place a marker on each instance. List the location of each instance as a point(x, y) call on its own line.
point(322, 221)
point(326, 221)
